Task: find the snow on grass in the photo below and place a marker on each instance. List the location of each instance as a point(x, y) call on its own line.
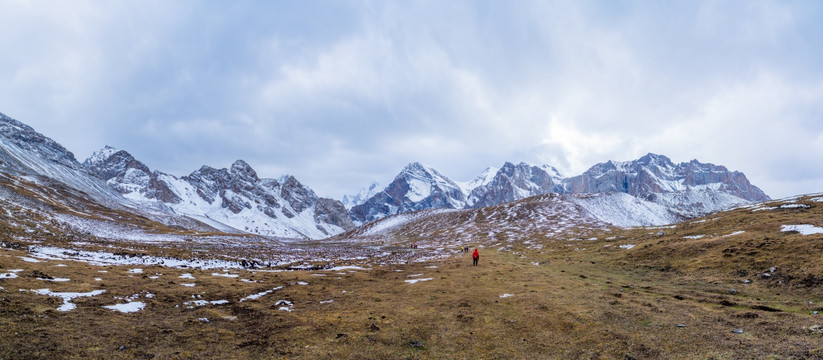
point(261, 294)
point(129, 307)
point(414, 275)
point(327, 301)
point(735, 233)
point(98, 279)
point(694, 237)
point(55, 279)
point(627, 246)
point(303, 283)
point(187, 276)
point(225, 275)
point(193, 303)
point(12, 274)
point(412, 281)
point(764, 208)
point(102, 258)
point(506, 295)
point(289, 305)
point(794, 206)
point(135, 271)
point(351, 267)
point(67, 297)
point(804, 229)
point(188, 285)
point(28, 259)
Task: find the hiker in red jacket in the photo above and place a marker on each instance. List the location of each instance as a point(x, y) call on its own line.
point(475, 257)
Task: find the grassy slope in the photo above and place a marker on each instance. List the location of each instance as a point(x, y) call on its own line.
point(583, 299)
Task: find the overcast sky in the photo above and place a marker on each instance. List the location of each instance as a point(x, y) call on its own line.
point(340, 93)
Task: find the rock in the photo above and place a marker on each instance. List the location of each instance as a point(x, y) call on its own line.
point(772, 269)
point(767, 275)
point(737, 331)
point(747, 281)
point(681, 325)
point(374, 327)
point(814, 312)
point(734, 291)
point(416, 344)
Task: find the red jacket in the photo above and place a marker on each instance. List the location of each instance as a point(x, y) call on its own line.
point(476, 255)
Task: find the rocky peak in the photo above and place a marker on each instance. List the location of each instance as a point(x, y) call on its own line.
point(416, 187)
point(514, 182)
point(108, 163)
point(100, 155)
point(240, 169)
point(298, 196)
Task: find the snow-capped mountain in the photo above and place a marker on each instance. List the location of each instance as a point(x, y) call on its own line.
point(233, 198)
point(514, 182)
point(690, 189)
point(349, 201)
point(128, 176)
point(656, 190)
point(417, 187)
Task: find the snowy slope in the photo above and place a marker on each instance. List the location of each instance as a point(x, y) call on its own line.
point(624, 210)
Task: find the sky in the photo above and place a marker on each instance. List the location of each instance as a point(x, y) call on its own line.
point(343, 93)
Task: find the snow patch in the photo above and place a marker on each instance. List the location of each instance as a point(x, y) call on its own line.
point(412, 281)
point(804, 229)
point(129, 307)
point(261, 294)
point(67, 297)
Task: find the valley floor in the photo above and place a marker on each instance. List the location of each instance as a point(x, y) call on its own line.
point(560, 302)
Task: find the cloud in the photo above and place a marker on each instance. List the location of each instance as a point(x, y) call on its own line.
point(340, 94)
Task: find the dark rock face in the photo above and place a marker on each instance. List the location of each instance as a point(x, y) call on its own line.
point(332, 212)
point(654, 174)
point(514, 182)
point(298, 196)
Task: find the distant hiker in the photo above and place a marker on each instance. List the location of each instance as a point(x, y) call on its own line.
point(475, 257)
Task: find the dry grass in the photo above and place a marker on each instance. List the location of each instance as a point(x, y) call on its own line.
point(588, 300)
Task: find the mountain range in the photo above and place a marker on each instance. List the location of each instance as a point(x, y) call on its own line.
point(652, 188)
